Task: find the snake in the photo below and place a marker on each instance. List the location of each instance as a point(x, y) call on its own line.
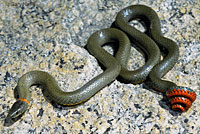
point(152, 42)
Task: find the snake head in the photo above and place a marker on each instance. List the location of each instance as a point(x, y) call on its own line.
point(16, 112)
point(181, 98)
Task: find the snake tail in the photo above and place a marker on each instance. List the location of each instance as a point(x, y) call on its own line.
point(181, 98)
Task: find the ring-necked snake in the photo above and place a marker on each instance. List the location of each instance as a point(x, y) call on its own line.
point(151, 42)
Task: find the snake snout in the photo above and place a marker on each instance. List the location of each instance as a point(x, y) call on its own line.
point(8, 121)
point(181, 98)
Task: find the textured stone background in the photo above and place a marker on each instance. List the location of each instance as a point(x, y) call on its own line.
point(49, 35)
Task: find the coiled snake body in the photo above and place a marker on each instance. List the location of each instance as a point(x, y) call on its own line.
point(151, 42)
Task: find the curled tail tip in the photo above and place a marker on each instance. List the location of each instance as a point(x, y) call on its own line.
point(181, 98)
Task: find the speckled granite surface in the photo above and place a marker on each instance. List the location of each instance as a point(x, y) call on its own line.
point(49, 35)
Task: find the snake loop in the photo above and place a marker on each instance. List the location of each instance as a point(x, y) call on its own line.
point(180, 97)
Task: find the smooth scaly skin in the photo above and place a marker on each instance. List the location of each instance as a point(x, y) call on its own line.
point(181, 97)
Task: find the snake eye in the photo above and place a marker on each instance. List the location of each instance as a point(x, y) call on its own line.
point(181, 98)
